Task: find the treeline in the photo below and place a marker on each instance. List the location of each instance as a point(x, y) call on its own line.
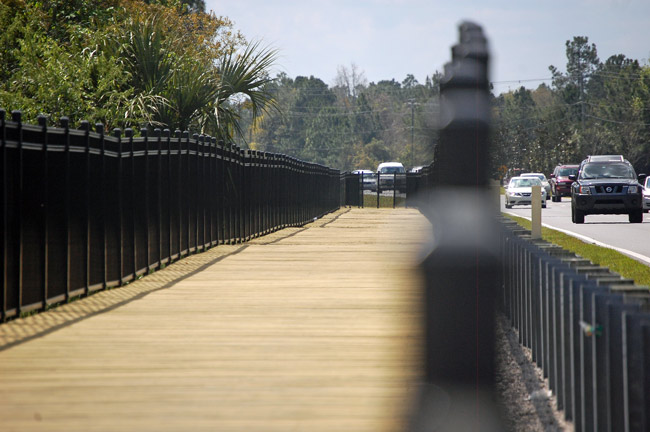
point(168, 64)
point(129, 63)
point(351, 123)
point(594, 107)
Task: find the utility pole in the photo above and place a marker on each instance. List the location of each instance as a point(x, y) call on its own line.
point(412, 104)
point(582, 103)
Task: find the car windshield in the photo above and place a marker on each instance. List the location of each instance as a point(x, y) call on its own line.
point(525, 182)
point(542, 177)
point(607, 170)
point(566, 172)
point(391, 170)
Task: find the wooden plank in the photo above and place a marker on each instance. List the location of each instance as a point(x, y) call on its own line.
point(305, 329)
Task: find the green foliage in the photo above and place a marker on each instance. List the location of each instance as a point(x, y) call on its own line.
point(593, 108)
point(129, 63)
point(352, 124)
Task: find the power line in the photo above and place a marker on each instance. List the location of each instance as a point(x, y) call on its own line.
point(618, 122)
point(521, 80)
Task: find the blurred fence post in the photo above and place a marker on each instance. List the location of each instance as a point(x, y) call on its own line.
point(462, 271)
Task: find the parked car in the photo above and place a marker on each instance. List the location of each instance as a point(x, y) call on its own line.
point(519, 191)
point(606, 185)
point(542, 178)
point(389, 173)
point(646, 195)
point(369, 179)
point(560, 182)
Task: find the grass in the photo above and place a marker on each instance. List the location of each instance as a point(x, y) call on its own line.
point(615, 261)
point(370, 200)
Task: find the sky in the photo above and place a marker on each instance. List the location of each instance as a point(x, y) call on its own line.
point(389, 39)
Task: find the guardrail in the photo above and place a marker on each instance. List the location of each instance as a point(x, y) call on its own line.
point(588, 330)
point(83, 211)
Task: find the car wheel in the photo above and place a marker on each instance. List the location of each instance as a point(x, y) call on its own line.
point(636, 216)
point(577, 216)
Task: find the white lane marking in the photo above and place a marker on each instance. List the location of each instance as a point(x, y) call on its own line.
point(629, 253)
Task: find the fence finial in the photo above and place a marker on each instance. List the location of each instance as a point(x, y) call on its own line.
point(16, 116)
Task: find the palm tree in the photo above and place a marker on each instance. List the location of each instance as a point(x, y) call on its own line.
point(244, 75)
point(186, 92)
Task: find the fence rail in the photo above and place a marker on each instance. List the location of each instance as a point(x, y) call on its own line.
point(588, 330)
point(409, 187)
point(83, 210)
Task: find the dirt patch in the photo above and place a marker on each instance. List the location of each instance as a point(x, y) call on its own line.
point(525, 399)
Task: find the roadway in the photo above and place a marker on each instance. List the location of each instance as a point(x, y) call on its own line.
point(612, 231)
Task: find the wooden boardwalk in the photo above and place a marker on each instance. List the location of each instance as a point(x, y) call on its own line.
point(307, 329)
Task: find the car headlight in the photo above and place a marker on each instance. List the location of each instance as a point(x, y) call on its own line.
point(632, 189)
point(584, 190)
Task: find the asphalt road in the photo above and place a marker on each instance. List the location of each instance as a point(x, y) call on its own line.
point(613, 231)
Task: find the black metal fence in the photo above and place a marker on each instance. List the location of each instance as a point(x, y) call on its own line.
point(403, 189)
point(588, 330)
point(82, 211)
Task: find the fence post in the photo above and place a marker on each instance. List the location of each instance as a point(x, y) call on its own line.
point(536, 213)
point(65, 125)
point(157, 133)
point(462, 272)
point(85, 126)
point(16, 117)
point(5, 224)
point(42, 122)
point(117, 134)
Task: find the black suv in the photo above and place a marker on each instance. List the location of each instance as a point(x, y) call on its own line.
point(606, 185)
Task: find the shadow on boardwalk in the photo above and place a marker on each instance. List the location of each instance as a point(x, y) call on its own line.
point(307, 329)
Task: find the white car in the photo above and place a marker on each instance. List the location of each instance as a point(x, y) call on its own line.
point(520, 189)
point(545, 184)
point(390, 172)
point(369, 179)
point(646, 195)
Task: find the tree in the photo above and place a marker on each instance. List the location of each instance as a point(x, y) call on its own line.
point(593, 108)
point(582, 61)
point(127, 63)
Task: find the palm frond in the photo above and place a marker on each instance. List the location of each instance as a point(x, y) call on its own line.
point(245, 74)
